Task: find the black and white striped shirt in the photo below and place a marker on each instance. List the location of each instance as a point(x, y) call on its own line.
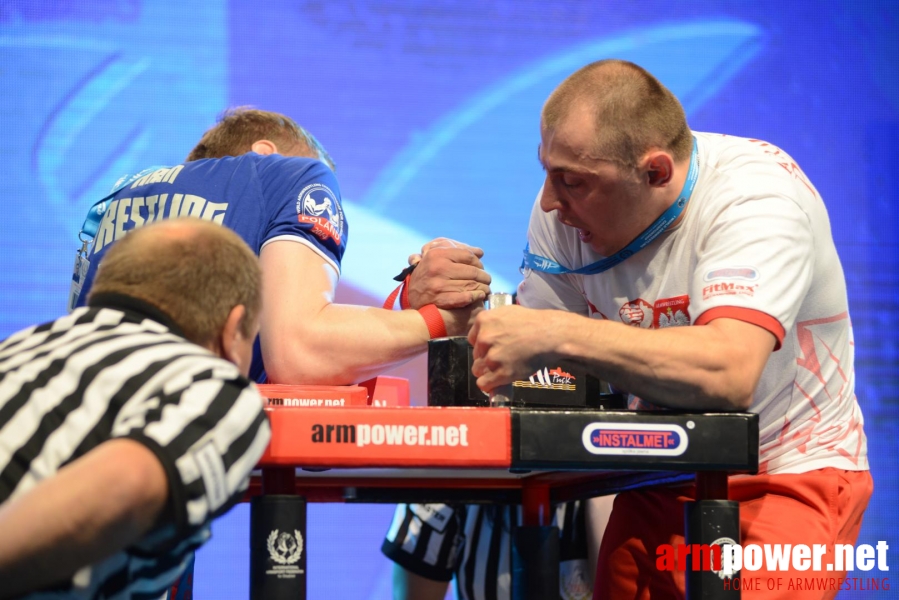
point(472, 545)
point(120, 369)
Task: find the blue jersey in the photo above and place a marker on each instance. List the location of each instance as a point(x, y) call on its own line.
point(263, 198)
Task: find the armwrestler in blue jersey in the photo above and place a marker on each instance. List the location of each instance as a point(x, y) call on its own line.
point(269, 180)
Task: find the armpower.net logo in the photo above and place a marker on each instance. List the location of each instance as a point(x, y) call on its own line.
point(365, 434)
point(771, 567)
point(391, 436)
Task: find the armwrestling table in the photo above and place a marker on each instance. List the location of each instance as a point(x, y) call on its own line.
point(351, 452)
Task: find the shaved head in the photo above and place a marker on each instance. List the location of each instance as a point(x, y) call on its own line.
point(632, 112)
point(192, 270)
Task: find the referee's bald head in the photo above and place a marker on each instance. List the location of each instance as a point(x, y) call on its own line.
point(193, 270)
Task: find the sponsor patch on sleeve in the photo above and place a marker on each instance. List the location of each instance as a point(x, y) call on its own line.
point(744, 273)
point(317, 206)
point(729, 288)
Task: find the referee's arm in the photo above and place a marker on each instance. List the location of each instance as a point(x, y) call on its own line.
point(95, 506)
point(424, 543)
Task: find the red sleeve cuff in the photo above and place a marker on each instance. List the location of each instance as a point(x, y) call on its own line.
point(747, 315)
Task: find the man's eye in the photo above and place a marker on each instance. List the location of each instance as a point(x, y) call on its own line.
point(571, 184)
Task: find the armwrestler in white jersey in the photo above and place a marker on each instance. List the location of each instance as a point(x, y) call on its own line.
point(697, 271)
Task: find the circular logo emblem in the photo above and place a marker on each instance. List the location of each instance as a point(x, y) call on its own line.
point(285, 548)
point(317, 200)
point(724, 573)
point(317, 206)
point(637, 313)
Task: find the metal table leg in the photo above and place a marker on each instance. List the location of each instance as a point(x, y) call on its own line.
point(278, 538)
point(712, 520)
point(535, 548)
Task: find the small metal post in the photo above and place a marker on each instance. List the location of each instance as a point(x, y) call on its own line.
point(502, 395)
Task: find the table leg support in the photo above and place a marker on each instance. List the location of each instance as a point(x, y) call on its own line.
point(709, 521)
point(535, 548)
point(278, 547)
point(535, 563)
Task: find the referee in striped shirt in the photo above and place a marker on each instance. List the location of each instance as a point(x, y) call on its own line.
point(127, 426)
point(432, 544)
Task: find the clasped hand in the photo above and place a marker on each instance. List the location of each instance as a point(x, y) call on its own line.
point(449, 274)
point(510, 343)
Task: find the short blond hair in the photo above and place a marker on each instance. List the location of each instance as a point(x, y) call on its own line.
point(194, 271)
point(634, 112)
point(237, 129)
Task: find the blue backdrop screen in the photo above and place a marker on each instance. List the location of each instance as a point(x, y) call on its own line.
point(431, 111)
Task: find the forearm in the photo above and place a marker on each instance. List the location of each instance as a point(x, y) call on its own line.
point(307, 338)
point(699, 367)
point(92, 508)
point(344, 344)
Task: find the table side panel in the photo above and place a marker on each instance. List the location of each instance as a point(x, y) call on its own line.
point(561, 440)
point(389, 437)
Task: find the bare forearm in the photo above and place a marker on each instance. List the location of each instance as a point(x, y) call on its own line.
point(682, 367)
point(309, 339)
point(344, 344)
point(92, 508)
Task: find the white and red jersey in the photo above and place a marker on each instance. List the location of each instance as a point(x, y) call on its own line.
point(754, 244)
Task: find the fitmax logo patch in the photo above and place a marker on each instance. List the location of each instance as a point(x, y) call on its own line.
point(633, 438)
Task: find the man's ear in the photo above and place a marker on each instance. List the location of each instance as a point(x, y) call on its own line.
point(232, 335)
point(264, 147)
point(659, 168)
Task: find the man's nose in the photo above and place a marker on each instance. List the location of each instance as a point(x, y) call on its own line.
point(548, 200)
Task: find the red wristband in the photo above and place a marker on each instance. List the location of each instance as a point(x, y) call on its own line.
point(434, 321)
point(404, 296)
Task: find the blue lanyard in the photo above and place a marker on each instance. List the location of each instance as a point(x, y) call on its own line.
point(96, 212)
point(546, 265)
